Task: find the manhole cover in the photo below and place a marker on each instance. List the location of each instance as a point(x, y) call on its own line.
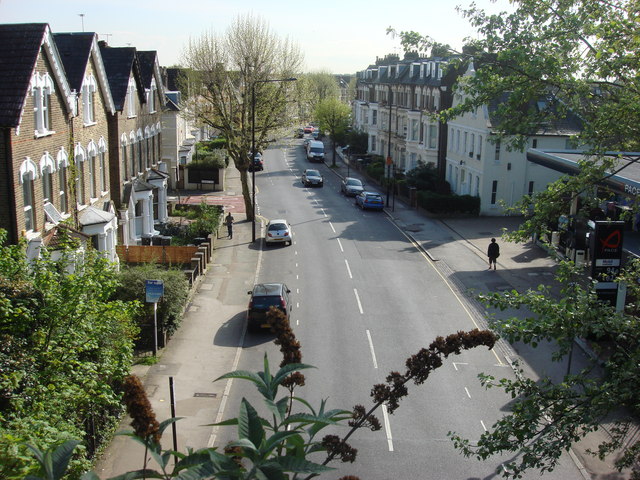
point(206, 395)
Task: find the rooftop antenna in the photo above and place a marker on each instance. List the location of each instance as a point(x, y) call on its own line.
point(81, 15)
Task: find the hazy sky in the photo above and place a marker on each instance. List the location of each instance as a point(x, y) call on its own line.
point(341, 36)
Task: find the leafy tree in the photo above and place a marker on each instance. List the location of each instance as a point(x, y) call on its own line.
point(64, 348)
point(281, 446)
point(312, 88)
point(226, 70)
point(546, 61)
point(333, 117)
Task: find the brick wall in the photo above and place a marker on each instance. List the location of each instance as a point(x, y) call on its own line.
point(26, 144)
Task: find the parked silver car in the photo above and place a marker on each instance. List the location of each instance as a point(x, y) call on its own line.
point(351, 186)
point(278, 231)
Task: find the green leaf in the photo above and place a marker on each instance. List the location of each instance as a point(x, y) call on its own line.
point(249, 423)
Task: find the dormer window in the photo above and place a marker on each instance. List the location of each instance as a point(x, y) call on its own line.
point(131, 98)
point(88, 100)
point(42, 88)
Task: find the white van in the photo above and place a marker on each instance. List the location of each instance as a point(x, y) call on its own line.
point(315, 151)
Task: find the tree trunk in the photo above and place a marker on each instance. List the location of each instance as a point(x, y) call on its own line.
point(246, 193)
point(333, 148)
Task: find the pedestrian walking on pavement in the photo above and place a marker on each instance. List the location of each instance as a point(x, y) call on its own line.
point(229, 222)
point(493, 252)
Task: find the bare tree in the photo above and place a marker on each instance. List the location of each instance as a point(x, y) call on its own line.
point(231, 70)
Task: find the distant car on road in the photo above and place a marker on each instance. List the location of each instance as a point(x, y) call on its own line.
point(312, 178)
point(308, 129)
point(351, 186)
point(369, 200)
point(279, 231)
point(263, 297)
point(257, 163)
point(299, 133)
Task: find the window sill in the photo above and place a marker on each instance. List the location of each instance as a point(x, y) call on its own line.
point(47, 133)
point(90, 124)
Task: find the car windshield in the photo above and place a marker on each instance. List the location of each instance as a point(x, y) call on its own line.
point(277, 226)
point(354, 182)
point(317, 149)
point(313, 173)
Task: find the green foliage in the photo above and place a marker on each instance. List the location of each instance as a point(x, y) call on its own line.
point(375, 170)
point(131, 287)
point(357, 140)
point(548, 417)
point(444, 204)
point(423, 177)
point(65, 345)
point(205, 220)
point(208, 159)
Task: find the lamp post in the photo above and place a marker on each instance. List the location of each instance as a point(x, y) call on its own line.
point(253, 146)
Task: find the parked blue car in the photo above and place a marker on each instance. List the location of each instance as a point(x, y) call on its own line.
point(369, 200)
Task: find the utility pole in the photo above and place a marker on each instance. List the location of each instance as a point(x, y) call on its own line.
point(81, 15)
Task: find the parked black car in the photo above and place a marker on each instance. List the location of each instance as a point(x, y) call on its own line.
point(264, 296)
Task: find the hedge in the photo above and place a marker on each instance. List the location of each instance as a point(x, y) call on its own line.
point(438, 203)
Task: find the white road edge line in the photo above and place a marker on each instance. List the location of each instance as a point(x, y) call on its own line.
point(355, 290)
point(373, 353)
point(331, 225)
point(346, 262)
point(483, 425)
point(387, 427)
point(467, 390)
point(340, 243)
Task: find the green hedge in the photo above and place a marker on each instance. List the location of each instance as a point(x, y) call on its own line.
point(438, 203)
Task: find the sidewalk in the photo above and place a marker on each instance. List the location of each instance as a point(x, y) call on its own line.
point(206, 346)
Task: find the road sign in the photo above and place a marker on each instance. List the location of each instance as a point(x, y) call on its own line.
point(154, 290)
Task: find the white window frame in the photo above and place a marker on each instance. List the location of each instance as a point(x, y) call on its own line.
point(28, 174)
point(89, 87)
point(47, 169)
point(151, 99)
point(131, 98)
point(42, 87)
point(63, 163)
point(79, 156)
point(92, 153)
point(102, 165)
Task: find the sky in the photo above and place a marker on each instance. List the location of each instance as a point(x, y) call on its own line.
point(339, 36)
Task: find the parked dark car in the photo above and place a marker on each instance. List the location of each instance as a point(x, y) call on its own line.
point(264, 296)
point(299, 133)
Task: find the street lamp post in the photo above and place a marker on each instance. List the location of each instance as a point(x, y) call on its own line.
point(253, 146)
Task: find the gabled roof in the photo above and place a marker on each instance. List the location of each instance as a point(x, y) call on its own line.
point(76, 50)
point(120, 63)
point(149, 68)
point(20, 45)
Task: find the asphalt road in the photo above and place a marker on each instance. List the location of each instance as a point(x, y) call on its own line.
point(364, 300)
